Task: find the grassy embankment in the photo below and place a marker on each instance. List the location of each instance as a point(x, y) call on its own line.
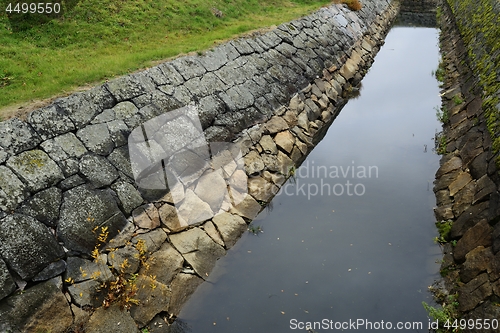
point(93, 40)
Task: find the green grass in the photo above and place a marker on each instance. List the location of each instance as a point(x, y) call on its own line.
point(94, 40)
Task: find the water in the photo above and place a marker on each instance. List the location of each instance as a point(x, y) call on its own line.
point(345, 257)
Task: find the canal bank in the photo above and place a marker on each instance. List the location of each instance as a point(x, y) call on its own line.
point(335, 255)
point(467, 182)
point(82, 240)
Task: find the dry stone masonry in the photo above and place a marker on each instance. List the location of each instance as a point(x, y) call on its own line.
point(467, 183)
point(74, 226)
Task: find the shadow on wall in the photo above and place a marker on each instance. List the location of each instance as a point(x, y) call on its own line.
point(417, 13)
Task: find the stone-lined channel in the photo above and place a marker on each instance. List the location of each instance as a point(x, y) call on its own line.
point(344, 257)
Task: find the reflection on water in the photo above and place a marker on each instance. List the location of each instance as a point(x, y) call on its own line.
point(350, 255)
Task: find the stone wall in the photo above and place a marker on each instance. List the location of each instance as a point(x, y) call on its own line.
point(467, 182)
point(479, 26)
point(82, 239)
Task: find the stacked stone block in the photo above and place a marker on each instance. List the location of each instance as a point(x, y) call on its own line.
point(72, 212)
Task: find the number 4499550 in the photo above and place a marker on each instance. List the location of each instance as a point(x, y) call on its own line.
point(39, 8)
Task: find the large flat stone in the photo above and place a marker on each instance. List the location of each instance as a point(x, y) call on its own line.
point(49, 122)
point(96, 138)
point(27, 245)
point(83, 210)
point(97, 170)
point(152, 296)
point(462, 180)
point(212, 189)
point(129, 197)
point(36, 169)
point(478, 235)
point(164, 264)
point(476, 262)
point(193, 210)
point(63, 147)
point(183, 286)
point(248, 208)
point(112, 319)
point(474, 292)
point(285, 140)
point(78, 108)
point(199, 250)
point(41, 308)
point(469, 218)
point(151, 241)
point(230, 226)
point(169, 217)
point(126, 87)
point(453, 164)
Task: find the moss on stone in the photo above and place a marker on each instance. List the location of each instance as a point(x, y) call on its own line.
point(479, 25)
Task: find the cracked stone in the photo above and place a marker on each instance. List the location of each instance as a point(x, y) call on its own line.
point(153, 297)
point(152, 240)
point(230, 226)
point(49, 122)
point(125, 260)
point(63, 147)
point(211, 231)
point(146, 217)
point(199, 250)
point(472, 293)
point(193, 209)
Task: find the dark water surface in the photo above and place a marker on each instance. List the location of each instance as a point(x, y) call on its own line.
point(345, 257)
